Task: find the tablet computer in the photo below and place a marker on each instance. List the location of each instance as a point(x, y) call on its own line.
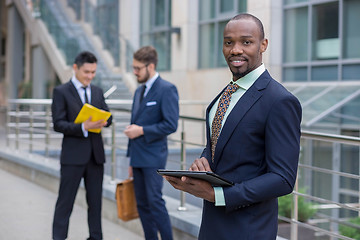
point(212, 178)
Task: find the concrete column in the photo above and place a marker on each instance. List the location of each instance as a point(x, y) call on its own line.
point(42, 72)
point(14, 51)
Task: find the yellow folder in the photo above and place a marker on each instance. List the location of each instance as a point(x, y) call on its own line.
point(90, 111)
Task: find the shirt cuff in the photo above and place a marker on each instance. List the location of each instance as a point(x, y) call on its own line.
point(219, 196)
point(86, 133)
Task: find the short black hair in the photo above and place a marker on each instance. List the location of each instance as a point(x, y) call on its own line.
point(84, 57)
point(256, 20)
point(146, 55)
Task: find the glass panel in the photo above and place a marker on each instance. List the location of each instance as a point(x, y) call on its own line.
point(307, 93)
point(207, 9)
point(351, 72)
point(226, 6)
point(325, 100)
point(351, 29)
point(351, 114)
point(322, 157)
point(295, 74)
point(220, 57)
point(161, 43)
point(294, 1)
point(326, 31)
point(207, 46)
point(160, 13)
point(242, 6)
point(325, 73)
point(296, 35)
point(145, 25)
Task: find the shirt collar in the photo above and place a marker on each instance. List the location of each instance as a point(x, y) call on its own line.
point(246, 81)
point(151, 81)
point(77, 83)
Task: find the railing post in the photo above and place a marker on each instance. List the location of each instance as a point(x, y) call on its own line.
point(8, 119)
point(17, 130)
point(47, 131)
point(294, 215)
point(183, 166)
point(31, 130)
point(113, 152)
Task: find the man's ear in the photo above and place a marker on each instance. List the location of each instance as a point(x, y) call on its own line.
point(263, 45)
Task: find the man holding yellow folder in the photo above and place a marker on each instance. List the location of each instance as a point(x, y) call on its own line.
point(82, 153)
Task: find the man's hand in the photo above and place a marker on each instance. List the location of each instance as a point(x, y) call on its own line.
point(88, 124)
point(200, 164)
point(196, 187)
point(134, 131)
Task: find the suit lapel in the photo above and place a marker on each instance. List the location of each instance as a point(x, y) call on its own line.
point(245, 103)
point(150, 95)
point(75, 93)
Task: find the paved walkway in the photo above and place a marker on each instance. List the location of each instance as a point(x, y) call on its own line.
point(26, 212)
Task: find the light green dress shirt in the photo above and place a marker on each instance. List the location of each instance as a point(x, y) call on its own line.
point(244, 84)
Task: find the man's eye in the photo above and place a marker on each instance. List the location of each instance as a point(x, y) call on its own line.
point(247, 42)
point(227, 42)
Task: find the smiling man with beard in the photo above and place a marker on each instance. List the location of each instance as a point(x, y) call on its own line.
point(253, 140)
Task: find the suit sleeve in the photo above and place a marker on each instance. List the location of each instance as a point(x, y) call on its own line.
point(105, 107)
point(282, 141)
point(62, 118)
point(170, 116)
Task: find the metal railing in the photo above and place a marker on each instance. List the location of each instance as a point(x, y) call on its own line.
point(29, 128)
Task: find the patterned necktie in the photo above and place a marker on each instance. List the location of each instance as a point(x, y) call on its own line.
point(219, 115)
point(86, 97)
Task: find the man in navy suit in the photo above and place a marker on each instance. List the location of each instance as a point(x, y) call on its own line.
point(82, 153)
point(155, 114)
point(257, 148)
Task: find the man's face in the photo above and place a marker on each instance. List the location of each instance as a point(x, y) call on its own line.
point(85, 73)
point(243, 47)
point(141, 71)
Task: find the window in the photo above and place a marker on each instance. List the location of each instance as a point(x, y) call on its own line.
point(155, 29)
point(321, 40)
point(213, 16)
point(326, 31)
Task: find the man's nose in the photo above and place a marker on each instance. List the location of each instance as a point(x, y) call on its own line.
point(237, 49)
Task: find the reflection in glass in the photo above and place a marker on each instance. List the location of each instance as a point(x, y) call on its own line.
point(294, 1)
point(207, 9)
point(296, 35)
point(160, 12)
point(324, 73)
point(351, 29)
point(295, 74)
point(226, 6)
point(351, 72)
point(206, 46)
point(161, 44)
point(326, 44)
point(220, 57)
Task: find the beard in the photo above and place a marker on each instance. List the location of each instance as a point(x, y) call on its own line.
point(145, 78)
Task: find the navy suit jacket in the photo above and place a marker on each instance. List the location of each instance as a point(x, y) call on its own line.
point(258, 149)
point(158, 114)
point(76, 149)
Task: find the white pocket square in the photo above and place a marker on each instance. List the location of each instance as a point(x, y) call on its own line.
point(151, 103)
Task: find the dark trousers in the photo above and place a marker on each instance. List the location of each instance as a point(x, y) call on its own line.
point(151, 206)
point(69, 183)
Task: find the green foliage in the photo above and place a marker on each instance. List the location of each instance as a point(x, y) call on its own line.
point(349, 231)
point(305, 209)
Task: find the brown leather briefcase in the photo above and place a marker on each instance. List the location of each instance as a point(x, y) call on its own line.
point(125, 200)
